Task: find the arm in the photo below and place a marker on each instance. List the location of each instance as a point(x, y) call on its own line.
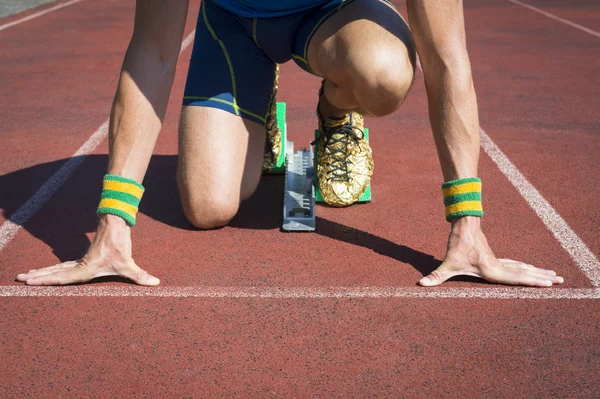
point(438, 30)
point(439, 33)
point(144, 86)
point(135, 122)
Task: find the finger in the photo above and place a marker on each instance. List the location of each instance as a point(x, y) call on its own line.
point(78, 274)
point(139, 276)
point(40, 273)
point(439, 275)
point(57, 266)
point(510, 262)
point(45, 270)
point(516, 276)
point(535, 272)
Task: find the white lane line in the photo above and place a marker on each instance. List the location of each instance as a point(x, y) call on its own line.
point(38, 14)
point(568, 239)
point(549, 15)
point(9, 229)
point(301, 292)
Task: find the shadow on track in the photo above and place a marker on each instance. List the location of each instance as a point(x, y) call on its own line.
point(65, 221)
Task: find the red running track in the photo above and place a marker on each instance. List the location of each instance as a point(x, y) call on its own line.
point(535, 78)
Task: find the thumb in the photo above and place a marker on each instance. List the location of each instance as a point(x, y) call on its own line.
point(438, 276)
point(140, 276)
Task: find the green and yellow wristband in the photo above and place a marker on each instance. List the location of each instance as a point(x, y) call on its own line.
point(121, 197)
point(462, 197)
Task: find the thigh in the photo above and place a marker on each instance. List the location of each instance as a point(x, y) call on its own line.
point(228, 70)
point(354, 30)
point(220, 158)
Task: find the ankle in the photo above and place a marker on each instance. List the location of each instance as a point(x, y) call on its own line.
point(327, 110)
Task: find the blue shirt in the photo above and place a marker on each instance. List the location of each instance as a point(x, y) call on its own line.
point(267, 8)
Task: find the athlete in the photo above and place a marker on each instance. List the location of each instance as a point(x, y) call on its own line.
point(366, 55)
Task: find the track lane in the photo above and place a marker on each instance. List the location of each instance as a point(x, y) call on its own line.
point(58, 80)
point(392, 241)
point(24, 11)
point(536, 80)
point(581, 12)
point(142, 347)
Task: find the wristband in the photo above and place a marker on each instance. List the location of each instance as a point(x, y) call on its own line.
point(462, 197)
point(121, 197)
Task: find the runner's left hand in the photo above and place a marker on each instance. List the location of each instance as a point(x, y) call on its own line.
point(468, 254)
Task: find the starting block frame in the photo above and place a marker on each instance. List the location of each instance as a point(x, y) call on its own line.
point(301, 191)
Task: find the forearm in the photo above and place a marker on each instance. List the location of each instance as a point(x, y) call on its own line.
point(138, 109)
point(144, 85)
point(454, 117)
point(438, 30)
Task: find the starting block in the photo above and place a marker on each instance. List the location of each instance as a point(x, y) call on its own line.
point(301, 186)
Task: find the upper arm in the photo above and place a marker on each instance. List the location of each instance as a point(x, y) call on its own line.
point(439, 32)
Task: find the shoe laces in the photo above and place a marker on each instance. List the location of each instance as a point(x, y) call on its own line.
point(343, 134)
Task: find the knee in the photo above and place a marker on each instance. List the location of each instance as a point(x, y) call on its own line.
point(381, 78)
point(385, 81)
point(210, 213)
point(206, 210)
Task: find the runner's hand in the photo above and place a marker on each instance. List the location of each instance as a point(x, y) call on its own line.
point(109, 255)
point(469, 254)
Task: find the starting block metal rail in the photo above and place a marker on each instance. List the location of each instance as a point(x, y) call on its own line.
point(299, 197)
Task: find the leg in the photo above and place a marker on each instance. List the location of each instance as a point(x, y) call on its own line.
point(222, 132)
point(220, 162)
point(366, 53)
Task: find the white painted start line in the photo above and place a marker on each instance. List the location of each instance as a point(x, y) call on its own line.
point(300, 292)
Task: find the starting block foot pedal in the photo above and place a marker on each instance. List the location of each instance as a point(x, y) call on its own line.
point(279, 167)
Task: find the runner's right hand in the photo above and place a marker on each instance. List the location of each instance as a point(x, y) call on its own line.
point(109, 255)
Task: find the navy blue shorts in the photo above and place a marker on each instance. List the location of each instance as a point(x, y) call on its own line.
point(233, 59)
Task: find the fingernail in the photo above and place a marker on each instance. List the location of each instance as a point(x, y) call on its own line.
point(560, 279)
point(426, 280)
point(548, 283)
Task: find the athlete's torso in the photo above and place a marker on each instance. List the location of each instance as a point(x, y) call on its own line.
point(267, 8)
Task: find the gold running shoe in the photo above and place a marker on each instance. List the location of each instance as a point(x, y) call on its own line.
point(344, 159)
point(273, 133)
